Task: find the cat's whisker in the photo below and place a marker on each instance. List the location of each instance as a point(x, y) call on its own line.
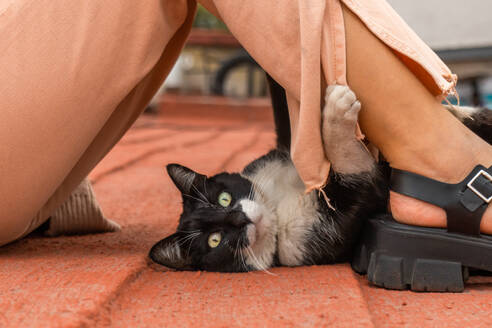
point(250, 192)
point(243, 259)
point(241, 255)
point(259, 265)
point(246, 256)
point(205, 186)
point(182, 240)
point(262, 267)
point(187, 231)
point(243, 263)
point(237, 247)
point(197, 199)
point(236, 251)
point(191, 242)
point(200, 193)
point(256, 264)
point(256, 183)
point(259, 182)
point(259, 179)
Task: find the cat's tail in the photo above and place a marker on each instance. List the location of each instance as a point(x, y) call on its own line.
point(280, 114)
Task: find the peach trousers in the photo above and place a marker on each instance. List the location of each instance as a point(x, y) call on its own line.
point(76, 74)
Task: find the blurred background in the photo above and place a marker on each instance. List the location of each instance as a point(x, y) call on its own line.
point(460, 32)
point(213, 66)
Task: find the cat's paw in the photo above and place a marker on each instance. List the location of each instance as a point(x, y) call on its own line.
point(341, 106)
point(343, 150)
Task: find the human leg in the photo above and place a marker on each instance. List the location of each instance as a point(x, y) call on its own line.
point(75, 78)
point(410, 127)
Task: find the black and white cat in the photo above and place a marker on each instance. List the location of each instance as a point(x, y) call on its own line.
point(261, 217)
point(235, 222)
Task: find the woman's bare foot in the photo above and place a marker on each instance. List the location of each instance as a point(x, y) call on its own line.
point(414, 212)
point(458, 160)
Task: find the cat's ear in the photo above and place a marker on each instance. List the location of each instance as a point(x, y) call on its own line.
point(184, 178)
point(169, 253)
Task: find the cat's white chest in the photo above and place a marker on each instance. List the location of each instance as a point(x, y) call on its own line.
point(295, 211)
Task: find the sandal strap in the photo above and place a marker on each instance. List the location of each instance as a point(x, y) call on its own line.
point(464, 202)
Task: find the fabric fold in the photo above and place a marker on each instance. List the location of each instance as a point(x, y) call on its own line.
point(301, 44)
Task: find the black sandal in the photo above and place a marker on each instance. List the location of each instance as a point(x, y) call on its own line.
point(399, 256)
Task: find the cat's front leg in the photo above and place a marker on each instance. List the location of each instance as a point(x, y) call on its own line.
point(356, 182)
point(355, 188)
point(339, 120)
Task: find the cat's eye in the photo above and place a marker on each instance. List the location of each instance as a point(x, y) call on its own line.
point(225, 199)
point(214, 239)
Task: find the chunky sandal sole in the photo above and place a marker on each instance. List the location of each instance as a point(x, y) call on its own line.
point(399, 256)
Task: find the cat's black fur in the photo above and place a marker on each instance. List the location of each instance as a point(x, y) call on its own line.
point(207, 218)
point(280, 113)
point(329, 239)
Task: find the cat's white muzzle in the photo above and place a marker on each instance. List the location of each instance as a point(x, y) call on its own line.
point(253, 212)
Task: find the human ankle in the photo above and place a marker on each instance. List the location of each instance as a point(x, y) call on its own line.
point(439, 163)
point(444, 158)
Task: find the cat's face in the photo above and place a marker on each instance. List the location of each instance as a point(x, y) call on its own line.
point(225, 225)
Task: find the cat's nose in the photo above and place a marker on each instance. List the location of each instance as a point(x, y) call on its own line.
point(238, 219)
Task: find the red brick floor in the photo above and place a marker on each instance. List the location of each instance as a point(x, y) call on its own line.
point(104, 279)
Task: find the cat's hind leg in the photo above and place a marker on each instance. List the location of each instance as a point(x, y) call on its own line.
point(347, 154)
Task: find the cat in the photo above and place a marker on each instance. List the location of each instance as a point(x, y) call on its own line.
point(261, 217)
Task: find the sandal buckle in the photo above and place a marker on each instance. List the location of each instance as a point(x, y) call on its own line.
point(478, 193)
